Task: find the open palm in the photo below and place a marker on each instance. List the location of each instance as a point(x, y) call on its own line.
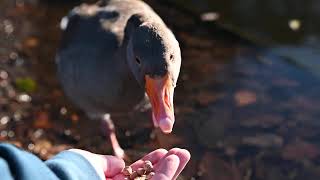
point(167, 164)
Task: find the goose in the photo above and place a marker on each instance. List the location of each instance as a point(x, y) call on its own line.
point(114, 54)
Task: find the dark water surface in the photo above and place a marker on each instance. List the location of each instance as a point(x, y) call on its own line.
point(279, 21)
point(244, 112)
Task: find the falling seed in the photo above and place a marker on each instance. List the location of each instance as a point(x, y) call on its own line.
point(24, 98)
point(294, 24)
point(4, 120)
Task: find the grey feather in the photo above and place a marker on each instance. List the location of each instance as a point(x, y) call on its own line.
point(91, 60)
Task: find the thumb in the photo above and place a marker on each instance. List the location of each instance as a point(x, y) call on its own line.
point(106, 166)
point(113, 165)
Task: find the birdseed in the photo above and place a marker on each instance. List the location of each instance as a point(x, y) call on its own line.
point(144, 173)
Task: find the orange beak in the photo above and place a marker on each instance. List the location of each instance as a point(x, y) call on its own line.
point(160, 92)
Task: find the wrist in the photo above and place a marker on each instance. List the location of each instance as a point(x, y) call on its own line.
point(95, 161)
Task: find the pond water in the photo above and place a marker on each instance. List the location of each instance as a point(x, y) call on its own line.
point(278, 21)
point(244, 110)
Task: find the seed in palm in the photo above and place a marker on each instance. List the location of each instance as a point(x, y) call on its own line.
point(144, 173)
point(127, 171)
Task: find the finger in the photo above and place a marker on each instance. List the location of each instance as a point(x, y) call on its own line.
point(184, 157)
point(113, 166)
point(118, 177)
point(153, 157)
point(167, 168)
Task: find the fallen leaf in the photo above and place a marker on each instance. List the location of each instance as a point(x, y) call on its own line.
point(74, 118)
point(42, 120)
point(31, 42)
point(26, 84)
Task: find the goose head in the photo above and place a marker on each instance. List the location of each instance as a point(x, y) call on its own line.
point(153, 55)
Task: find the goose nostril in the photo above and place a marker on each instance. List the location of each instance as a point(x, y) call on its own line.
point(138, 61)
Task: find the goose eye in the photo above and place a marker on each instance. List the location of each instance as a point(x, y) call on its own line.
point(138, 61)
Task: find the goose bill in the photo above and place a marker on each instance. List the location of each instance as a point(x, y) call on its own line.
point(160, 92)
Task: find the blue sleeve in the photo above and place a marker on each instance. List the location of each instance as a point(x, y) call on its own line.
point(19, 164)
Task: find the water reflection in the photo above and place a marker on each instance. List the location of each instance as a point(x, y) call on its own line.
point(261, 112)
point(272, 20)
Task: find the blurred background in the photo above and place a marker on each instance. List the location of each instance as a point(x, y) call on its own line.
point(247, 102)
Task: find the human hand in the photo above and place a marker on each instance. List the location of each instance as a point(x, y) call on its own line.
point(167, 164)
